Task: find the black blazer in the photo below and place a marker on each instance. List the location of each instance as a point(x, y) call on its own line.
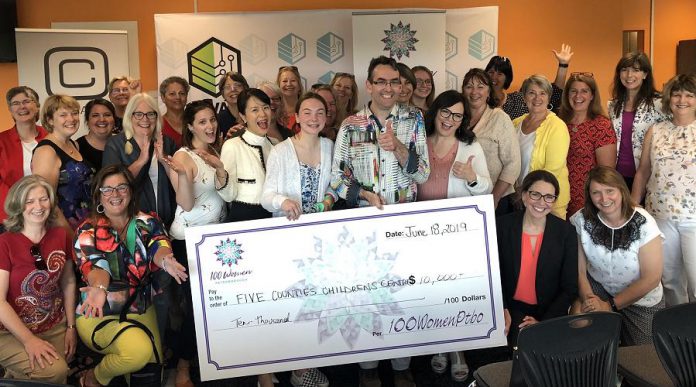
point(557, 267)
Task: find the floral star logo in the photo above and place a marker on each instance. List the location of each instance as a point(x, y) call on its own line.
point(228, 252)
point(339, 309)
point(400, 40)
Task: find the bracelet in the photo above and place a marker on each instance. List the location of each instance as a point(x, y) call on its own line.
point(104, 288)
point(227, 180)
point(613, 304)
point(70, 326)
point(564, 65)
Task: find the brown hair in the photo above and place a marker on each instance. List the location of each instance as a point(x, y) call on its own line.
point(609, 177)
point(51, 106)
point(595, 109)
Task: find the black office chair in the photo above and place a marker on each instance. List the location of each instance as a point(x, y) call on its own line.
point(674, 337)
point(573, 351)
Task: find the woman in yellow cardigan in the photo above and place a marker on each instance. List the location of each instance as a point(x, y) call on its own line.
point(544, 139)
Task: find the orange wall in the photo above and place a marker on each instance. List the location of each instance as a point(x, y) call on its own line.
point(528, 29)
point(675, 20)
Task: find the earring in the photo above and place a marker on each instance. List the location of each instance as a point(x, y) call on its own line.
point(100, 210)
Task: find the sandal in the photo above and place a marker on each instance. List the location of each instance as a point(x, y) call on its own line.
point(459, 370)
point(439, 363)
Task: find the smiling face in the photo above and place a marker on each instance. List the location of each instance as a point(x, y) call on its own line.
point(275, 98)
point(476, 93)
point(37, 206)
point(116, 203)
point(446, 127)
point(120, 94)
point(424, 84)
point(231, 91)
point(682, 103)
point(632, 77)
point(580, 97)
point(100, 121)
point(204, 127)
point(537, 99)
point(257, 116)
point(174, 97)
point(406, 91)
point(331, 103)
point(497, 79)
point(606, 199)
point(312, 116)
point(65, 121)
point(145, 126)
point(384, 87)
point(344, 89)
point(23, 108)
point(538, 208)
point(289, 84)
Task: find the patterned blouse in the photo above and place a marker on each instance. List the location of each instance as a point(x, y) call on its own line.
point(127, 262)
point(671, 190)
point(310, 187)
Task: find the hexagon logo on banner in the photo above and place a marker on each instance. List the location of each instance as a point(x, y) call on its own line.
point(255, 49)
point(330, 47)
point(481, 45)
point(292, 48)
point(209, 62)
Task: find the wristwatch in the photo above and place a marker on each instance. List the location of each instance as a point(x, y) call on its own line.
point(472, 184)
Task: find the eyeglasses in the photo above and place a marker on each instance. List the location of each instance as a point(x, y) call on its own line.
point(581, 74)
point(109, 191)
point(275, 99)
point(446, 113)
point(139, 115)
point(120, 91)
point(423, 82)
point(548, 198)
point(39, 262)
point(233, 86)
point(21, 103)
point(381, 83)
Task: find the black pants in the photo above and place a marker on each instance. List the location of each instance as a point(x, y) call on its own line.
point(187, 336)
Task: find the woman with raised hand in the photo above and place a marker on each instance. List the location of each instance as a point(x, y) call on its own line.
point(142, 148)
point(543, 139)
point(197, 175)
point(37, 286)
point(118, 249)
point(424, 91)
point(666, 177)
point(17, 143)
point(290, 83)
point(592, 139)
point(174, 93)
point(121, 89)
point(58, 160)
point(635, 107)
point(99, 117)
point(619, 256)
point(496, 134)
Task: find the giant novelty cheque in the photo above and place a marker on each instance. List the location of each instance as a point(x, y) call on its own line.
point(345, 286)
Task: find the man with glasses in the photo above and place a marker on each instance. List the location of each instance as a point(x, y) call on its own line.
point(380, 156)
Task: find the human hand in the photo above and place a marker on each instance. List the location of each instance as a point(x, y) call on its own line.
point(212, 160)
point(508, 321)
point(40, 352)
point(464, 171)
point(291, 208)
point(172, 267)
point(527, 321)
point(563, 57)
point(388, 140)
point(174, 165)
point(93, 305)
point(135, 86)
point(593, 303)
point(70, 343)
point(232, 131)
point(374, 199)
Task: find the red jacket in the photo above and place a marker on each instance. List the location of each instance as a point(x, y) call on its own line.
point(11, 162)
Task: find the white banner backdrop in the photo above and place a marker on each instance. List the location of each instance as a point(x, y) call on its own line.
point(79, 63)
point(202, 47)
point(414, 38)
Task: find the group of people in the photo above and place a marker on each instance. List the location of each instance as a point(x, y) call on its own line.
point(93, 241)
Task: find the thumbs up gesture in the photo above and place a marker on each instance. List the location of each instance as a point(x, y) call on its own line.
point(464, 170)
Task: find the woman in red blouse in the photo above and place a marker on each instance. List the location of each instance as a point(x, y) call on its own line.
point(37, 286)
point(592, 138)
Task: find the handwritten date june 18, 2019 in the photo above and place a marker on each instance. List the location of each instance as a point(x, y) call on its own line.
point(437, 229)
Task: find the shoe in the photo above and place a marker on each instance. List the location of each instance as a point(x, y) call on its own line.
point(439, 363)
point(370, 378)
point(88, 379)
point(404, 378)
point(310, 378)
point(185, 379)
point(459, 370)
